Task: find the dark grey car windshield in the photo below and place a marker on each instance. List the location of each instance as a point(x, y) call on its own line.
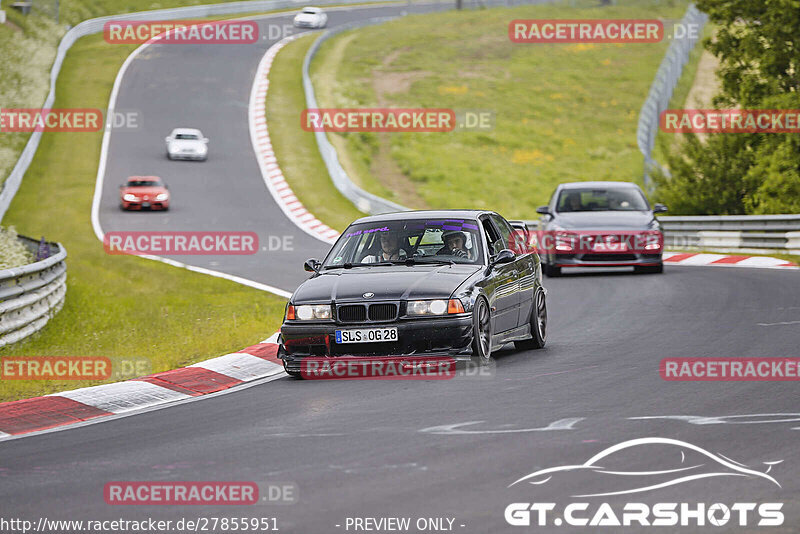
point(420, 240)
point(609, 199)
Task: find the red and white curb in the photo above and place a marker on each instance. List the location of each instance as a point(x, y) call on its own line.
point(722, 260)
point(79, 405)
point(270, 171)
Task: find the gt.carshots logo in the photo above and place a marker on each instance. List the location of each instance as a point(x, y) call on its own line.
point(604, 469)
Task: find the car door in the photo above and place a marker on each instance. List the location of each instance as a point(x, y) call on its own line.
point(526, 269)
point(504, 298)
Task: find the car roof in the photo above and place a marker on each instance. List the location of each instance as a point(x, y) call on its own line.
point(582, 185)
point(194, 131)
point(422, 214)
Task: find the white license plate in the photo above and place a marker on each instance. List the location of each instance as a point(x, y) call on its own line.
point(366, 335)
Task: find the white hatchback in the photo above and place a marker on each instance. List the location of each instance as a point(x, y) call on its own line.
point(187, 143)
point(311, 17)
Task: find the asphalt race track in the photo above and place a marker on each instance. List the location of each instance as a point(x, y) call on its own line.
point(406, 448)
point(357, 448)
point(207, 86)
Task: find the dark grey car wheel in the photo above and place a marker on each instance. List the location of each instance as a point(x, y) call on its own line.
point(538, 324)
point(481, 332)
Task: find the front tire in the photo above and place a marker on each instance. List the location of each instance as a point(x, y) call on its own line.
point(481, 332)
point(538, 323)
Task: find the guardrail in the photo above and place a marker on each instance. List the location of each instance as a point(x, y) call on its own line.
point(30, 295)
point(752, 234)
point(92, 26)
point(669, 72)
point(364, 200)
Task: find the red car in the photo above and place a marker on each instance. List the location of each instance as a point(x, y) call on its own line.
point(144, 192)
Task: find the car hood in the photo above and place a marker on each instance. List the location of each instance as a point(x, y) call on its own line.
point(141, 191)
point(306, 17)
point(192, 144)
point(605, 220)
point(399, 282)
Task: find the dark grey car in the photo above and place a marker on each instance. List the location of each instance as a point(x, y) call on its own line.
point(600, 224)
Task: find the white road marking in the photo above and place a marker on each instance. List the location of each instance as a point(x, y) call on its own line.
point(456, 429)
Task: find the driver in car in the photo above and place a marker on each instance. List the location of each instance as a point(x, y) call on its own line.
point(455, 244)
point(390, 249)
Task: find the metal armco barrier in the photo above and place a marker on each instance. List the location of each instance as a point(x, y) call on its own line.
point(752, 234)
point(92, 26)
point(30, 295)
point(669, 72)
point(363, 200)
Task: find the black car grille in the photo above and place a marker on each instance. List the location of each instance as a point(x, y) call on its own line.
point(359, 313)
point(608, 257)
point(382, 312)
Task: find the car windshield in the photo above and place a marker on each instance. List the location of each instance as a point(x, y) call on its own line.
point(144, 183)
point(610, 199)
point(400, 241)
point(187, 137)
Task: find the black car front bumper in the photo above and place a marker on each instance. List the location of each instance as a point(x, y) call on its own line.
point(440, 336)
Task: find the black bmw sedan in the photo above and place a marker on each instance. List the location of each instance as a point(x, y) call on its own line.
point(600, 224)
point(432, 283)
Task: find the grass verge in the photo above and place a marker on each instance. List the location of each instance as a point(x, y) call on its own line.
point(563, 112)
point(295, 149)
point(118, 306)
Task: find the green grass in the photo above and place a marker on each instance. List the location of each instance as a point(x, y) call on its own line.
point(295, 149)
point(118, 306)
point(564, 112)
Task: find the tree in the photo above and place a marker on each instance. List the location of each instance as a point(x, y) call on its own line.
point(758, 45)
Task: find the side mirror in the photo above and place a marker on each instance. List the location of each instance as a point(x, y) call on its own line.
point(205, 140)
point(659, 208)
point(167, 139)
point(543, 210)
point(504, 256)
point(312, 265)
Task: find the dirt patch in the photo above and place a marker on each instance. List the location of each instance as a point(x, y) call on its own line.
point(706, 84)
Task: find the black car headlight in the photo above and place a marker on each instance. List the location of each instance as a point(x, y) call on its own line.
point(309, 312)
point(434, 307)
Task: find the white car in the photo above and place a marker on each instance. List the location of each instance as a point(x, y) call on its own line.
point(187, 143)
point(311, 17)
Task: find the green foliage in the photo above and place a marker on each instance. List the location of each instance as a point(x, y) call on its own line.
point(758, 44)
